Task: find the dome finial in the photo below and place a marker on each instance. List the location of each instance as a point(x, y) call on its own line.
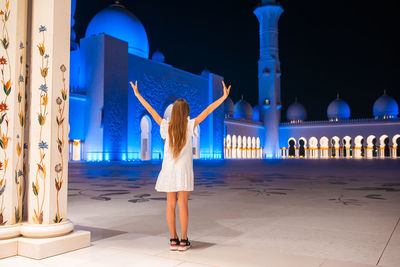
point(242, 97)
point(118, 3)
point(384, 92)
point(337, 96)
point(295, 99)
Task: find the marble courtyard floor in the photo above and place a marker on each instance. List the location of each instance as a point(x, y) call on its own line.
point(242, 213)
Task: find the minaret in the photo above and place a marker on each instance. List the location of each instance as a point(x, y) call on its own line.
point(269, 87)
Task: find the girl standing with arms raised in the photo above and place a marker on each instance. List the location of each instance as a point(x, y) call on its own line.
point(176, 176)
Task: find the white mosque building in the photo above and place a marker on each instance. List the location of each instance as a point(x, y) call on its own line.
point(108, 123)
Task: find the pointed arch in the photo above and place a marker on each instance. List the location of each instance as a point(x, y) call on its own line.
point(145, 138)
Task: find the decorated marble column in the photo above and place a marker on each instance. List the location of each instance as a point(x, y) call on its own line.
point(48, 140)
point(43, 28)
point(12, 75)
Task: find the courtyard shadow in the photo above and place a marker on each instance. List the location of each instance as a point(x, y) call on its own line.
point(97, 234)
point(200, 245)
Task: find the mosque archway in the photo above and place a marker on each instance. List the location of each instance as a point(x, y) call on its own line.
point(248, 150)
point(384, 148)
point(335, 147)
point(313, 147)
point(228, 146)
point(302, 147)
point(234, 146)
point(196, 143)
point(372, 151)
point(244, 146)
point(358, 147)
point(292, 147)
point(396, 145)
point(239, 147)
point(347, 151)
point(253, 147)
point(145, 138)
point(324, 146)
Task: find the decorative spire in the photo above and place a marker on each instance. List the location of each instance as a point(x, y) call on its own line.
point(337, 96)
point(268, 2)
point(295, 99)
point(242, 98)
point(118, 3)
point(384, 92)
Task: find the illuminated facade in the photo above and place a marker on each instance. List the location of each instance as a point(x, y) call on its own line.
point(248, 128)
point(108, 123)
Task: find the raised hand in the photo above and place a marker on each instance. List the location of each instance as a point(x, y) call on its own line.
point(135, 88)
point(145, 104)
point(226, 90)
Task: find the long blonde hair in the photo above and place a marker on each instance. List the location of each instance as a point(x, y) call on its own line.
point(177, 126)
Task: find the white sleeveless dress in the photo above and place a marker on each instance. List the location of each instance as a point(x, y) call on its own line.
point(177, 174)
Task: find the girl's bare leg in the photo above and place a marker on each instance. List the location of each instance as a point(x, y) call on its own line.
point(170, 213)
point(183, 197)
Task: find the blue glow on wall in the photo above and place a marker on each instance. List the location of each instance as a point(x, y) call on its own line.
point(107, 114)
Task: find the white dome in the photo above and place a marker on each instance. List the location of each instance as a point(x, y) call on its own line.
point(120, 23)
point(296, 112)
point(229, 107)
point(338, 109)
point(243, 110)
point(385, 106)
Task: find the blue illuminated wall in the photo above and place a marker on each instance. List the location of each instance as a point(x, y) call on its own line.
point(99, 107)
point(106, 115)
point(77, 104)
point(115, 107)
point(161, 84)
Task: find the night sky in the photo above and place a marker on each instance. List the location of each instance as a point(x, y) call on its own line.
point(326, 47)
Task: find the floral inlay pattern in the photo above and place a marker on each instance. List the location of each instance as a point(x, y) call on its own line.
point(59, 167)
point(5, 68)
point(41, 171)
point(18, 172)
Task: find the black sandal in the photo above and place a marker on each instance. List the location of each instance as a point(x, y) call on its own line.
point(185, 246)
point(174, 246)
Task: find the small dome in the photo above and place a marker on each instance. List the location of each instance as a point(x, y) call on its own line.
point(243, 110)
point(158, 56)
point(256, 113)
point(296, 112)
point(385, 107)
point(229, 107)
point(205, 73)
point(338, 109)
point(120, 23)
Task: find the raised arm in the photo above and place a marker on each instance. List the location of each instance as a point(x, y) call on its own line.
point(145, 104)
point(213, 106)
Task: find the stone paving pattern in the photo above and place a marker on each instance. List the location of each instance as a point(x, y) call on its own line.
point(242, 213)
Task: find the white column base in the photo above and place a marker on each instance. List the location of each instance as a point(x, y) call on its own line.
point(46, 230)
point(40, 248)
point(8, 248)
point(9, 231)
